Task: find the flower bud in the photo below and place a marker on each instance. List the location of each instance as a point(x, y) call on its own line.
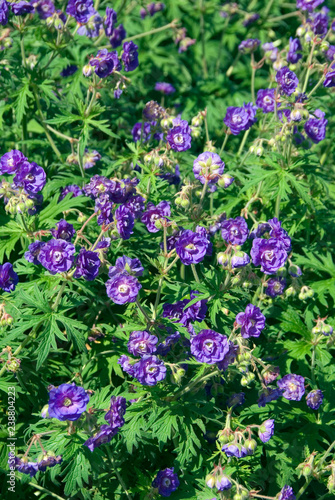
point(309, 36)
point(21, 208)
point(301, 31)
point(223, 259)
point(210, 480)
point(292, 67)
point(197, 121)
point(259, 151)
point(13, 365)
point(331, 483)
point(294, 271)
point(225, 181)
point(87, 70)
point(158, 224)
point(324, 45)
point(81, 218)
point(290, 291)
point(178, 200)
point(250, 445)
point(177, 375)
point(296, 115)
point(195, 132)
point(185, 203)
point(45, 411)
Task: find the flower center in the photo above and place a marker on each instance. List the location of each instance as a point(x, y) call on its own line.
point(67, 402)
point(190, 246)
point(268, 255)
point(179, 139)
point(57, 256)
point(292, 387)
point(236, 119)
point(166, 481)
point(123, 288)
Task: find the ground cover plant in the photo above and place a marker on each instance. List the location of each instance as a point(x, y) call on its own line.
point(166, 270)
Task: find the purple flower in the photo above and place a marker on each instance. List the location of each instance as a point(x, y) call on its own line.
point(240, 119)
point(249, 45)
point(155, 213)
point(287, 492)
point(235, 231)
point(275, 287)
point(239, 259)
point(271, 52)
point(180, 313)
point(236, 400)
point(250, 19)
point(149, 370)
point(57, 256)
point(287, 80)
point(87, 265)
point(49, 460)
point(63, 231)
point(308, 5)
point(73, 188)
point(141, 132)
point(124, 222)
point(222, 483)
point(130, 56)
point(123, 288)
point(235, 450)
point(278, 232)
point(293, 386)
point(110, 21)
point(252, 321)
point(315, 127)
point(90, 158)
point(331, 52)
point(314, 399)
point(166, 481)
point(229, 357)
point(141, 343)
point(269, 395)
point(11, 162)
point(92, 28)
point(105, 63)
point(123, 361)
point(23, 465)
point(103, 206)
point(81, 10)
point(179, 136)
point(294, 51)
point(69, 70)
point(164, 347)
point(67, 402)
point(33, 252)
point(31, 177)
point(269, 254)
point(3, 12)
point(126, 265)
point(21, 8)
point(191, 247)
point(266, 100)
point(117, 37)
point(45, 8)
point(8, 277)
point(208, 167)
point(319, 23)
point(329, 79)
point(104, 435)
point(165, 88)
point(115, 414)
point(266, 430)
point(135, 204)
point(209, 347)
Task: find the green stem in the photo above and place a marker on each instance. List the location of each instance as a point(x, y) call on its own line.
point(284, 16)
point(80, 162)
point(191, 385)
point(277, 208)
point(59, 296)
point(268, 8)
point(52, 144)
point(309, 67)
point(151, 32)
point(111, 458)
point(253, 73)
point(40, 488)
point(22, 345)
point(231, 68)
point(224, 144)
point(195, 274)
point(313, 363)
point(316, 86)
point(143, 311)
point(218, 61)
point(246, 133)
point(203, 41)
point(172, 264)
